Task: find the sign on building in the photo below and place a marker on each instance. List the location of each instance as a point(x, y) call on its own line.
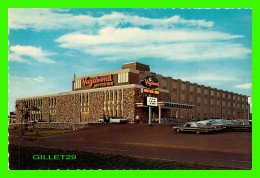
point(156, 92)
point(151, 101)
point(150, 82)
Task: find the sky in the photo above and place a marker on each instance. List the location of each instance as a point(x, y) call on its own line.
point(211, 47)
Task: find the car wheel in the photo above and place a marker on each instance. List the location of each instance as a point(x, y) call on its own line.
point(178, 130)
point(197, 132)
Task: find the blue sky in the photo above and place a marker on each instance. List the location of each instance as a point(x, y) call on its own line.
point(212, 47)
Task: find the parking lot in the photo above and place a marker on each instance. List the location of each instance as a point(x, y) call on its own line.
point(231, 149)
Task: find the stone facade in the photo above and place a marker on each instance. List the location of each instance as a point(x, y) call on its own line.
point(72, 107)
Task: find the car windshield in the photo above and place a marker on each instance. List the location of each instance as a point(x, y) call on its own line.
point(199, 125)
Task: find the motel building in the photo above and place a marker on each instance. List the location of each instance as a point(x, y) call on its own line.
point(132, 93)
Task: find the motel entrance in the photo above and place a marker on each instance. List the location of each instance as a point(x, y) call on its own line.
point(163, 110)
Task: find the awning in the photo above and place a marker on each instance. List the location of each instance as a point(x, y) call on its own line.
point(169, 104)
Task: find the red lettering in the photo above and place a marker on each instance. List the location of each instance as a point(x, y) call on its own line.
point(98, 81)
point(147, 82)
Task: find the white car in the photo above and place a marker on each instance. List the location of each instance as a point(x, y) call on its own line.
point(211, 123)
point(117, 120)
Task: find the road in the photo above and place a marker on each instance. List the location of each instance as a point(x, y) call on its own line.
point(231, 149)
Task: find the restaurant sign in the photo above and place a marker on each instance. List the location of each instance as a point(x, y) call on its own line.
point(98, 82)
point(150, 82)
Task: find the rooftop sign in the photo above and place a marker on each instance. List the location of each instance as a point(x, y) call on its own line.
point(150, 82)
point(98, 82)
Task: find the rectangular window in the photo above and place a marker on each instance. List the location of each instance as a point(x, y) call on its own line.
point(192, 88)
point(119, 78)
point(122, 77)
point(183, 86)
point(174, 84)
point(126, 77)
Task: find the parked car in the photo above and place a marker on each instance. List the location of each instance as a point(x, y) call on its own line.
point(211, 123)
point(117, 120)
point(101, 120)
point(193, 127)
point(238, 125)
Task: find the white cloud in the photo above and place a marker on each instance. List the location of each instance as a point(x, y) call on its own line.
point(20, 52)
point(111, 35)
point(37, 79)
point(51, 19)
point(244, 86)
point(136, 43)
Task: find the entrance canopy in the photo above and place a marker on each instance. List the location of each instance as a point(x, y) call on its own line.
point(169, 104)
point(177, 105)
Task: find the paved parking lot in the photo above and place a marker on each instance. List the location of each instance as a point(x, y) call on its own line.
point(232, 149)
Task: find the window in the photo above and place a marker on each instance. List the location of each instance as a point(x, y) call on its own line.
point(192, 88)
point(183, 86)
point(122, 77)
point(174, 84)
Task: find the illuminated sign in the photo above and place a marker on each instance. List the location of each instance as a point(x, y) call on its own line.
point(151, 101)
point(156, 92)
point(98, 82)
point(150, 82)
